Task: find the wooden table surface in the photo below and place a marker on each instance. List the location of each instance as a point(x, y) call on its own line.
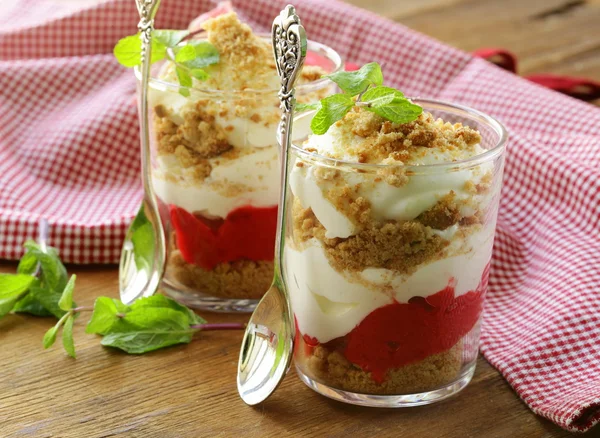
point(189, 391)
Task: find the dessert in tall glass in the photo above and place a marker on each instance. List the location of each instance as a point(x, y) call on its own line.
point(215, 158)
point(389, 236)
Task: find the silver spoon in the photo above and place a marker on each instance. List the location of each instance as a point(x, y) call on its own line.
point(269, 339)
point(144, 250)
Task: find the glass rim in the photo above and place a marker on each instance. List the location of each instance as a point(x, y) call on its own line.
point(428, 104)
point(308, 87)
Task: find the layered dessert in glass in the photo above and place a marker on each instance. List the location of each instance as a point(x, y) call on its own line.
point(389, 236)
point(215, 165)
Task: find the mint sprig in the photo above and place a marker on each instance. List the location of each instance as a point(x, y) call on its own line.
point(355, 82)
point(40, 287)
point(189, 57)
point(361, 88)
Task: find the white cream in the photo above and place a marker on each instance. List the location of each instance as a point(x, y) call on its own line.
point(329, 304)
point(259, 171)
point(246, 133)
point(388, 202)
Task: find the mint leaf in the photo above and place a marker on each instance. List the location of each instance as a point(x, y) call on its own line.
point(185, 80)
point(105, 315)
point(300, 107)
point(162, 302)
point(128, 51)
point(185, 53)
point(50, 336)
point(145, 341)
point(355, 82)
point(54, 274)
point(333, 108)
point(148, 324)
point(66, 299)
point(14, 284)
point(400, 110)
point(206, 54)
point(28, 304)
point(199, 74)
point(48, 298)
point(169, 38)
point(379, 96)
point(27, 264)
point(68, 341)
point(12, 289)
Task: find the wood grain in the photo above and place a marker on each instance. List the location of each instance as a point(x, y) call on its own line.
point(189, 391)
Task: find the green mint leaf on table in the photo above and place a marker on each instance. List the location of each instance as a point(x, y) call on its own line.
point(12, 289)
point(27, 264)
point(30, 305)
point(48, 298)
point(54, 273)
point(140, 342)
point(146, 325)
point(50, 337)
point(68, 341)
point(107, 313)
point(333, 108)
point(66, 300)
point(355, 82)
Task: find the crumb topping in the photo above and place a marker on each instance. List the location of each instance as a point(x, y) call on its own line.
point(366, 137)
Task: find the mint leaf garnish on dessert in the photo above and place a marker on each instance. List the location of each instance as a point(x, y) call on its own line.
point(189, 57)
point(362, 88)
point(355, 82)
point(40, 287)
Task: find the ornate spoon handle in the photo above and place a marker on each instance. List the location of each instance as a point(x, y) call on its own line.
point(147, 10)
point(289, 47)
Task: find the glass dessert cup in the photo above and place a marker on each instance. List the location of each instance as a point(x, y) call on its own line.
point(387, 289)
point(215, 174)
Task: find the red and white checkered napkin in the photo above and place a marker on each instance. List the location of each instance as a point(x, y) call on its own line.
point(69, 152)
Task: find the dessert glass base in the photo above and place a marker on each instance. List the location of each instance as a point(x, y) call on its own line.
point(392, 401)
point(207, 302)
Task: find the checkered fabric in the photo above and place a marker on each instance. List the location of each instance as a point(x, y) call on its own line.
point(69, 152)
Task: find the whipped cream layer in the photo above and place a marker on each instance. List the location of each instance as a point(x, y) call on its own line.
point(250, 179)
point(328, 304)
point(241, 132)
point(388, 202)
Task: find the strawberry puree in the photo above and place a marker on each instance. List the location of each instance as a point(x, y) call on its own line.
point(246, 233)
point(402, 333)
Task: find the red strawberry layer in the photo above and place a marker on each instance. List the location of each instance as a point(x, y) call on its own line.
point(246, 233)
point(402, 333)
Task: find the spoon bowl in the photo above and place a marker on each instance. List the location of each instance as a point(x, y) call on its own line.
point(267, 347)
point(143, 255)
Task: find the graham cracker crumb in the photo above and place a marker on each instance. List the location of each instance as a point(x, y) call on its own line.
point(400, 246)
point(193, 142)
point(442, 215)
point(333, 369)
point(386, 142)
point(242, 279)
